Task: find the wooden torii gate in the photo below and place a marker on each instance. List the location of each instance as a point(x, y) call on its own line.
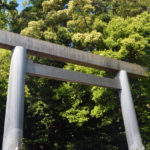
point(19, 67)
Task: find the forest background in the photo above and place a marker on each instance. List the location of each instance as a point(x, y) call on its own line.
point(69, 116)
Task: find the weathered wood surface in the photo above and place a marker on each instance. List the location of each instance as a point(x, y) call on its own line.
point(37, 47)
point(39, 70)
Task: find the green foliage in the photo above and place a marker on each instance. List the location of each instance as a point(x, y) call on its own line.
point(4, 73)
point(3, 20)
point(125, 8)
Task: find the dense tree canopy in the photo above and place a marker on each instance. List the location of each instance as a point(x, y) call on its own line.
point(68, 116)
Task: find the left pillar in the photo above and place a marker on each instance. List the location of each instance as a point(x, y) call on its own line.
point(13, 127)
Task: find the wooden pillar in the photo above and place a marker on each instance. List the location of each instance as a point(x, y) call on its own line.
point(129, 115)
point(13, 128)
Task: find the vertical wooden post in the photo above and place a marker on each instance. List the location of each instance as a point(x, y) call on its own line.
point(13, 128)
point(129, 115)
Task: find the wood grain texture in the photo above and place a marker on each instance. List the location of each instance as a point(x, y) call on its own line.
point(41, 48)
point(39, 70)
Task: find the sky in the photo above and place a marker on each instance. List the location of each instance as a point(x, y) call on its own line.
point(20, 5)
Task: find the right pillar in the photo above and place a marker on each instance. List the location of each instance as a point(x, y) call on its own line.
point(129, 115)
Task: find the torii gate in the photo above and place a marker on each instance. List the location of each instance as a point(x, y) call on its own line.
point(13, 128)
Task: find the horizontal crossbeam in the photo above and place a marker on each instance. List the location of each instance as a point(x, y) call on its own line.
point(41, 48)
point(39, 70)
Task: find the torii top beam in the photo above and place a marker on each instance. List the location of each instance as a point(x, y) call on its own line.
point(45, 49)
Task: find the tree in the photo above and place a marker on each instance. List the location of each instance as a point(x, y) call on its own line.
point(63, 115)
point(32, 11)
